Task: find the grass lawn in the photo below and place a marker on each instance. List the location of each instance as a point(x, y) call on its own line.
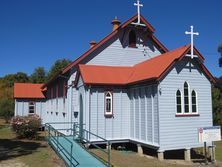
point(219, 151)
point(27, 153)
point(37, 153)
point(132, 159)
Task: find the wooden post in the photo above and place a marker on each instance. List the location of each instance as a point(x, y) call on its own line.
point(160, 156)
point(205, 151)
point(187, 155)
point(139, 149)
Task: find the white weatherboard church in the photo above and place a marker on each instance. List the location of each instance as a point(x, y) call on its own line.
point(129, 87)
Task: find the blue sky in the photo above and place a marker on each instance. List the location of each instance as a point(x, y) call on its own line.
point(37, 32)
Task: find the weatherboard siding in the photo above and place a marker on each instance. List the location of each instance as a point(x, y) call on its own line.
point(56, 111)
point(144, 114)
point(117, 53)
point(22, 107)
point(116, 127)
point(114, 53)
point(181, 132)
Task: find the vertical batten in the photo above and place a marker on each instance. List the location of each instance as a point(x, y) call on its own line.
point(152, 106)
point(139, 113)
point(134, 114)
point(22, 108)
point(146, 113)
point(158, 113)
point(16, 106)
point(121, 115)
point(84, 108)
point(97, 107)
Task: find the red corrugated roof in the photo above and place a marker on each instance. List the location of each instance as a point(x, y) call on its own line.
point(28, 91)
point(152, 69)
point(108, 75)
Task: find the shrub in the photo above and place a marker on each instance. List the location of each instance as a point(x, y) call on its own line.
point(26, 126)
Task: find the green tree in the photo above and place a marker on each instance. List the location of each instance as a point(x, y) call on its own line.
point(10, 79)
point(57, 66)
point(217, 106)
point(38, 76)
point(6, 108)
point(220, 48)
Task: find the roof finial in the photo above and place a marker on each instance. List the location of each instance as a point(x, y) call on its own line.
point(138, 9)
point(138, 4)
point(191, 33)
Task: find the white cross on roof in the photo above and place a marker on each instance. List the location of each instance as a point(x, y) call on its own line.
point(138, 4)
point(191, 33)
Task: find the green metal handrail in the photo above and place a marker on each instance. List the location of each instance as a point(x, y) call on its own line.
point(87, 140)
point(55, 138)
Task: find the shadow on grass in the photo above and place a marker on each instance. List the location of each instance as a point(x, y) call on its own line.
point(3, 126)
point(10, 148)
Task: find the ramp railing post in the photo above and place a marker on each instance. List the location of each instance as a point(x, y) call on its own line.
point(57, 140)
point(49, 133)
point(108, 143)
point(71, 155)
point(74, 130)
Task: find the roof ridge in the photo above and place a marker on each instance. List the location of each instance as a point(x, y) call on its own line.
point(92, 65)
point(103, 40)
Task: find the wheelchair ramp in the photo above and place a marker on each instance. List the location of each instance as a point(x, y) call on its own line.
point(80, 157)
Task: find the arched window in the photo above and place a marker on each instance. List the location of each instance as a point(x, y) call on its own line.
point(132, 39)
point(179, 102)
point(194, 102)
point(108, 103)
point(186, 97)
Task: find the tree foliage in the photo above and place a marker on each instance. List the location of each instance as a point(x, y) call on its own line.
point(220, 51)
point(217, 102)
point(6, 108)
point(57, 66)
point(220, 48)
point(38, 76)
point(10, 79)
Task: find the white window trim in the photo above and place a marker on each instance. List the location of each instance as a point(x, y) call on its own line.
point(181, 96)
point(34, 105)
point(190, 101)
point(197, 108)
point(111, 103)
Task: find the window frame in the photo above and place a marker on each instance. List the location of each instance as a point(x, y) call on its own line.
point(108, 114)
point(181, 105)
point(190, 113)
point(196, 99)
point(34, 107)
point(188, 96)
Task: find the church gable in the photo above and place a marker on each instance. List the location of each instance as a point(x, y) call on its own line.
point(129, 47)
point(128, 44)
point(190, 66)
point(115, 49)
